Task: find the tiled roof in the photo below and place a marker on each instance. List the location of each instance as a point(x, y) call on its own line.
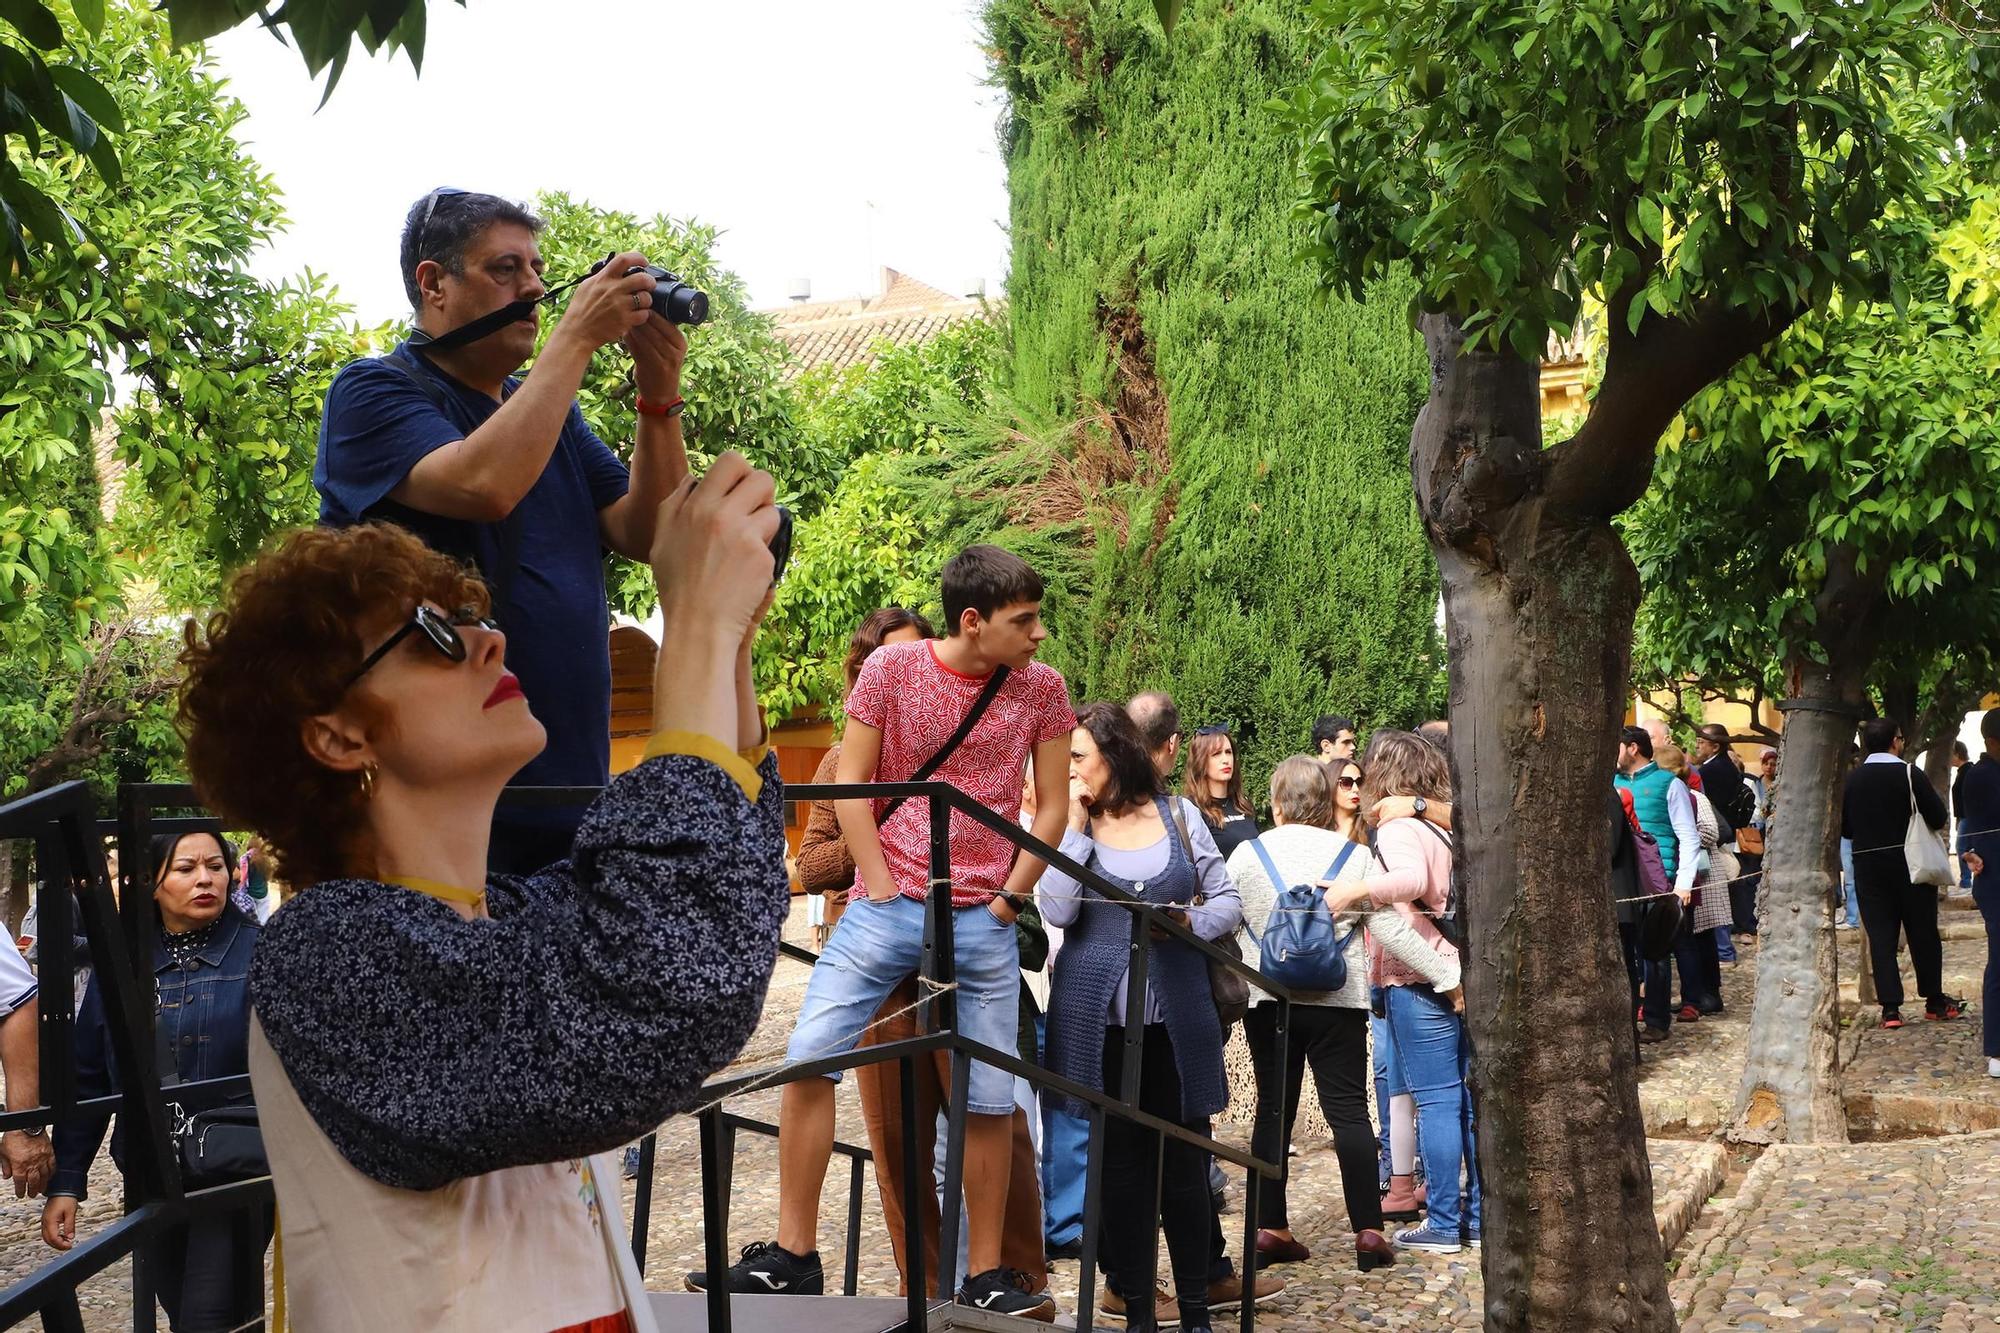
point(847, 333)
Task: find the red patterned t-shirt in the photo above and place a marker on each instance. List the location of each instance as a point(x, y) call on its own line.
point(917, 702)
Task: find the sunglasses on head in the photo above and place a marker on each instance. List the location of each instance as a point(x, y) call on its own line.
point(441, 631)
point(1222, 730)
point(430, 207)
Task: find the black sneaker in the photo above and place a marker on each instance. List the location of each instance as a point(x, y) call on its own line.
point(769, 1269)
point(1005, 1291)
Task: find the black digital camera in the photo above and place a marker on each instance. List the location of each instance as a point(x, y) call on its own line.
point(674, 300)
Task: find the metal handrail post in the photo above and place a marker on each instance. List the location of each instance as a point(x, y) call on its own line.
point(951, 1215)
point(1135, 1011)
point(1253, 1187)
point(715, 1243)
point(642, 1199)
point(918, 1289)
point(1093, 1218)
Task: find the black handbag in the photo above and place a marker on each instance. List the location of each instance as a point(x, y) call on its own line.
point(222, 1144)
point(1659, 923)
point(218, 1145)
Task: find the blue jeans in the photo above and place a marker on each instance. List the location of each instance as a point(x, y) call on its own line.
point(877, 945)
point(1964, 870)
point(1388, 1083)
point(1986, 897)
point(1847, 881)
point(1065, 1154)
point(1432, 1052)
point(1725, 948)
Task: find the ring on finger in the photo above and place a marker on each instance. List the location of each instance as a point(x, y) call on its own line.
point(640, 300)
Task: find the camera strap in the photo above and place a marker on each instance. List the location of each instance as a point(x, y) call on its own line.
point(493, 321)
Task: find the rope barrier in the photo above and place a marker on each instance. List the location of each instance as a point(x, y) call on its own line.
point(838, 1044)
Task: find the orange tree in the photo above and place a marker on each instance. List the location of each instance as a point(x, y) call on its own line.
point(1711, 171)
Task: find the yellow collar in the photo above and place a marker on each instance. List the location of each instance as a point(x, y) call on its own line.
point(430, 888)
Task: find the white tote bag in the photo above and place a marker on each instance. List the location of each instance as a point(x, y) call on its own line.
point(1924, 849)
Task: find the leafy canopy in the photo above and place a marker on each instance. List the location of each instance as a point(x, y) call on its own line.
point(45, 93)
point(1860, 447)
point(1521, 154)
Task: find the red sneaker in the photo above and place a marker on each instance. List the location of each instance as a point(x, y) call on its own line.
point(1891, 1019)
point(1688, 1014)
point(1944, 1007)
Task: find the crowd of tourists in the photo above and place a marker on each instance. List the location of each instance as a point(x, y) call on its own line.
point(1160, 816)
point(439, 1107)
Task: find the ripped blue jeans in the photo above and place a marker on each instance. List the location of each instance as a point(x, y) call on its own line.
point(875, 946)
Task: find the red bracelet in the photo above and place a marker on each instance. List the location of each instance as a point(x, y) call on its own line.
point(672, 409)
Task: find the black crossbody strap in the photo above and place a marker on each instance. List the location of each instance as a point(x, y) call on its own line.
point(957, 738)
point(501, 580)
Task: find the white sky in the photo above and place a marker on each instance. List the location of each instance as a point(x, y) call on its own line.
point(780, 121)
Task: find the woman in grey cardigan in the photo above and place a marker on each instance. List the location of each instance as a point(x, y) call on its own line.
point(1329, 1030)
point(442, 1058)
point(1123, 826)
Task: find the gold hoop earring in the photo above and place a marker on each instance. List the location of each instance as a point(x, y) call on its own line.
point(368, 783)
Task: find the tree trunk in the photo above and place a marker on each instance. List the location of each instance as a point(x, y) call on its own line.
point(1790, 1091)
point(14, 883)
point(1538, 609)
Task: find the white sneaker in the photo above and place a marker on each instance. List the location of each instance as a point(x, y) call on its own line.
point(1993, 1066)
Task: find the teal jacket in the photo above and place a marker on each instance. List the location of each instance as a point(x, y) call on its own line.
point(1649, 787)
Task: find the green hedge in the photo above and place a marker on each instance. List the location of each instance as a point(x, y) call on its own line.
point(1259, 554)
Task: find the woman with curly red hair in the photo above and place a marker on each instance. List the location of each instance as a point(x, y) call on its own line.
point(439, 1057)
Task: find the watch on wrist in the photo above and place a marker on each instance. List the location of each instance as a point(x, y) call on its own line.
point(33, 1131)
point(1419, 806)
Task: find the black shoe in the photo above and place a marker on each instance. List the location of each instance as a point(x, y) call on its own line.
point(769, 1269)
point(1005, 1291)
point(1069, 1249)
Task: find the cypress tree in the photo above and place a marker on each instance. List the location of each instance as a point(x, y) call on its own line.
point(1265, 563)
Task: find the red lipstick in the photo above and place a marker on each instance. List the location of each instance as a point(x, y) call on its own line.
point(507, 687)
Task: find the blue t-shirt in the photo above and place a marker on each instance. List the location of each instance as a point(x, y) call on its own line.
point(378, 425)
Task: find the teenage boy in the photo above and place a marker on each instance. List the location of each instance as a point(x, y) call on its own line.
point(909, 702)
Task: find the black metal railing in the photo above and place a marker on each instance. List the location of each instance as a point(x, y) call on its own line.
point(69, 853)
point(72, 876)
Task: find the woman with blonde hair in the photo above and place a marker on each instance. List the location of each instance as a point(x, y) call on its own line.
point(1329, 1029)
point(1413, 860)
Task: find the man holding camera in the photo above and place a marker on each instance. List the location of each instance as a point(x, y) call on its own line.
point(442, 438)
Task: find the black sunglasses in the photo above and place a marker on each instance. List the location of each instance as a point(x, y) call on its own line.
point(440, 630)
point(1345, 781)
point(430, 207)
point(1222, 730)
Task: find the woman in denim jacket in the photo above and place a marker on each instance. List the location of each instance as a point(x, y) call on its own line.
point(210, 1271)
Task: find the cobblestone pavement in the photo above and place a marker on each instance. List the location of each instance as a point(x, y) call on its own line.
point(1775, 1225)
point(1860, 1237)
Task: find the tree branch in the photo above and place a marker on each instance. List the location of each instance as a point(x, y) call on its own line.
point(1648, 377)
point(92, 716)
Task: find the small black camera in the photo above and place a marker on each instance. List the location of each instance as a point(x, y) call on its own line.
point(674, 300)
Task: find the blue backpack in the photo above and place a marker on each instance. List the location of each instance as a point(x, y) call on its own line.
point(1299, 948)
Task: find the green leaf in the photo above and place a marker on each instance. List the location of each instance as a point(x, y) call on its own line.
point(32, 19)
point(90, 13)
point(89, 94)
point(198, 20)
point(1169, 12)
point(1649, 218)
